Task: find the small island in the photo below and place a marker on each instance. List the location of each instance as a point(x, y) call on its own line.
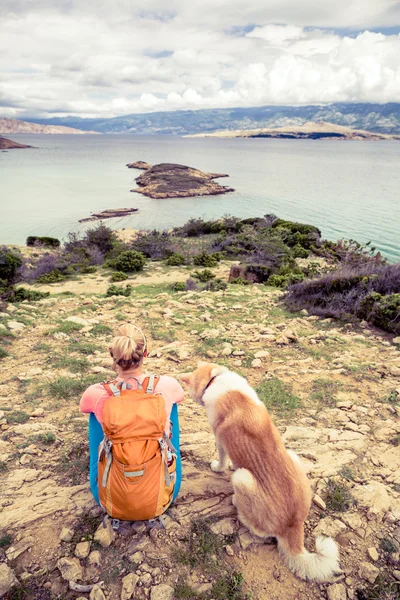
point(109, 214)
point(311, 130)
point(6, 144)
point(169, 180)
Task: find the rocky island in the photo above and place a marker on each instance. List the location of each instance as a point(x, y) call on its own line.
point(109, 214)
point(169, 180)
point(6, 144)
point(312, 130)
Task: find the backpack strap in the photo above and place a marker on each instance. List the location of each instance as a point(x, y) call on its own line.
point(112, 387)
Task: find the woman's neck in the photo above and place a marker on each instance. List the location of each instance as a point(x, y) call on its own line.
point(130, 373)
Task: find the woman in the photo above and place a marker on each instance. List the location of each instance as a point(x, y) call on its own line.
point(128, 349)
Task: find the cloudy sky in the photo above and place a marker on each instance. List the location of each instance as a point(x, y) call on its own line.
point(104, 58)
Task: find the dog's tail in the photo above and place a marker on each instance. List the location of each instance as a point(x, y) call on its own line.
point(314, 566)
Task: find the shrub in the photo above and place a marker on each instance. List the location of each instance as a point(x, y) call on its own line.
point(338, 496)
point(216, 285)
point(102, 237)
point(129, 261)
point(175, 260)
point(3, 353)
point(203, 276)
point(369, 292)
point(115, 290)
point(66, 387)
point(35, 240)
point(118, 276)
point(283, 281)
point(17, 417)
point(206, 260)
point(154, 244)
point(51, 277)
point(240, 281)
point(87, 269)
point(300, 252)
point(20, 294)
point(178, 286)
point(10, 262)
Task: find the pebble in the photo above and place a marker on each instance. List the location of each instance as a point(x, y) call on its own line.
point(66, 534)
point(337, 591)
point(368, 572)
point(319, 502)
point(162, 592)
point(128, 586)
point(373, 554)
point(105, 535)
point(82, 550)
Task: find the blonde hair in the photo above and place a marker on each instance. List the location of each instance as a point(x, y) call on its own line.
point(128, 346)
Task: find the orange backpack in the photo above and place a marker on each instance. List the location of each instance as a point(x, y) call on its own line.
point(137, 461)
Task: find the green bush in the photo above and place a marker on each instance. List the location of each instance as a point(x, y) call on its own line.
point(300, 252)
point(10, 262)
point(216, 285)
point(3, 353)
point(206, 260)
point(178, 286)
point(128, 261)
point(115, 290)
point(240, 281)
point(119, 276)
point(283, 281)
point(86, 269)
point(52, 277)
point(20, 294)
point(49, 242)
point(203, 276)
point(175, 260)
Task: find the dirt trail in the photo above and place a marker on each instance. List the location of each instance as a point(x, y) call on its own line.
point(333, 397)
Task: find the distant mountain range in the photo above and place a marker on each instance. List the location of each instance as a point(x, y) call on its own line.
point(15, 126)
point(380, 118)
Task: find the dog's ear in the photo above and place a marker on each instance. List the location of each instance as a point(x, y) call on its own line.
point(218, 370)
point(185, 377)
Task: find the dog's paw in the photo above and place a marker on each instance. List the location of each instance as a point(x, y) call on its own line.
point(216, 466)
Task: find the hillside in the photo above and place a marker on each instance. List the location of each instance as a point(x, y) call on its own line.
point(15, 126)
point(6, 144)
point(331, 387)
point(310, 130)
point(381, 118)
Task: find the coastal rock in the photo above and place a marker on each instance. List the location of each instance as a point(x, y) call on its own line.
point(169, 180)
point(7, 579)
point(110, 213)
point(6, 144)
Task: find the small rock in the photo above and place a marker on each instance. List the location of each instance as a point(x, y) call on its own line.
point(257, 362)
point(105, 535)
point(78, 320)
point(66, 534)
point(137, 557)
point(94, 558)
point(82, 549)
point(15, 326)
point(262, 354)
point(396, 340)
point(319, 502)
point(396, 574)
point(70, 568)
point(368, 572)
point(97, 593)
point(337, 591)
point(38, 412)
point(145, 579)
point(162, 592)
point(7, 579)
point(329, 527)
point(128, 585)
point(229, 550)
point(373, 554)
point(224, 527)
point(25, 459)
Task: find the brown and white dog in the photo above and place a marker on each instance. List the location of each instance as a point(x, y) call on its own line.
point(271, 490)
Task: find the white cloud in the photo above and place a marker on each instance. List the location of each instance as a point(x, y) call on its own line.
point(104, 58)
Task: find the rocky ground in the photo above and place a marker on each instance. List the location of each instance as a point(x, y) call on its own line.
point(332, 388)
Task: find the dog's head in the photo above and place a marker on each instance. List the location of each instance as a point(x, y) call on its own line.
point(199, 380)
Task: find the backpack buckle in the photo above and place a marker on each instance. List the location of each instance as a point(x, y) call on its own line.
point(115, 523)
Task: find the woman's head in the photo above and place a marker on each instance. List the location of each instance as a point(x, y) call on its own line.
point(128, 347)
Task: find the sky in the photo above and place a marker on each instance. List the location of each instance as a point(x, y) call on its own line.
point(106, 58)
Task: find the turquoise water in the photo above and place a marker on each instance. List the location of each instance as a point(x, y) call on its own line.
point(347, 189)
